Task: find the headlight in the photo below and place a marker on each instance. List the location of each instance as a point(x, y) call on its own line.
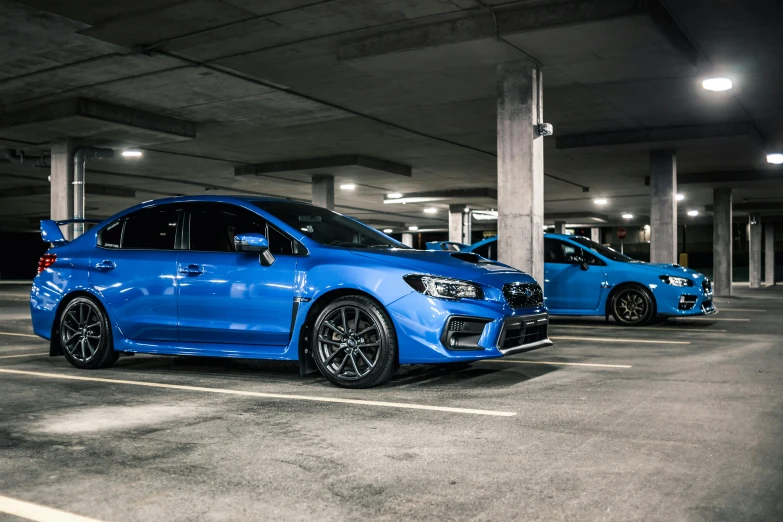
point(444, 287)
point(676, 281)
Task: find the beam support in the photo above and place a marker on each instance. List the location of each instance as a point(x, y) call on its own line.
point(323, 191)
point(407, 239)
point(61, 182)
point(467, 231)
point(769, 254)
point(560, 227)
point(595, 234)
point(456, 223)
point(722, 244)
point(755, 252)
point(663, 206)
point(520, 169)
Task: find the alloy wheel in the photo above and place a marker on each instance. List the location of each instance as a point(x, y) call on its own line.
point(631, 306)
point(81, 331)
point(349, 343)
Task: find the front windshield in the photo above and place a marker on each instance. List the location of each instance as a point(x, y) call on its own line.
point(607, 252)
point(326, 227)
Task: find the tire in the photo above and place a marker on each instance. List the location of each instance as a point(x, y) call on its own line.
point(632, 305)
point(85, 335)
point(367, 355)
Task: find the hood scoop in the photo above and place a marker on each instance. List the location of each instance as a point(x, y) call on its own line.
point(470, 258)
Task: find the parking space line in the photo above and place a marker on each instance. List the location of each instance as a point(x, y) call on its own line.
point(654, 328)
point(313, 398)
point(683, 319)
point(750, 310)
point(30, 511)
point(594, 365)
point(612, 340)
point(22, 355)
point(21, 335)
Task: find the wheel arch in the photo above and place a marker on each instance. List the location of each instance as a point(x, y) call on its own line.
point(626, 284)
point(54, 339)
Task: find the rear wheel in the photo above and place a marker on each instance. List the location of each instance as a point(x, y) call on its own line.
point(85, 335)
point(354, 344)
point(633, 306)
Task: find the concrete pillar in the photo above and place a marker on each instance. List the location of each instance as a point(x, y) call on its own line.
point(595, 234)
point(61, 178)
point(323, 191)
point(769, 254)
point(722, 244)
point(663, 206)
point(407, 239)
point(755, 252)
point(467, 231)
point(520, 169)
point(455, 223)
point(559, 227)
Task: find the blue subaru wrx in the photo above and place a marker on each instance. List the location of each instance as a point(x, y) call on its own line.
point(582, 277)
point(272, 279)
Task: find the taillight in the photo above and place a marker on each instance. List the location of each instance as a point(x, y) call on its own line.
point(46, 261)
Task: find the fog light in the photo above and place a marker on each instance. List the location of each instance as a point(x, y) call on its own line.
point(453, 342)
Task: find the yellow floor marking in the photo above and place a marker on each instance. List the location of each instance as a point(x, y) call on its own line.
point(22, 335)
point(596, 365)
point(634, 328)
point(22, 355)
point(30, 511)
point(362, 402)
point(611, 340)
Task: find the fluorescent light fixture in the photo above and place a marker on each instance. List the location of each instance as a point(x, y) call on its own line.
point(430, 210)
point(485, 215)
point(413, 228)
point(413, 199)
point(717, 84)
point(387, 231)
point(680, 197)
point(600, 201)
point(627, 216)
point(693, 212)
point(776, 158)
point(646, 228)
point(348, 186)
point(131, 153)
point(394, 195)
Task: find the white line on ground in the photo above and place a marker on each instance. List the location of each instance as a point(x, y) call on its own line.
point(595, 365)
point(685, 319)
point(20, 335)
point(611, 340)
point(741, 310)
point(619, 328)
point(400, 405)
point(38, 513)
point(22, 355)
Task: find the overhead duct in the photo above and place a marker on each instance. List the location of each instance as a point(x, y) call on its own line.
point(20, 158)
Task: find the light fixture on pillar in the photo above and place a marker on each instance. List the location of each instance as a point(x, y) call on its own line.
point(348, 186)
point(131, 153)
point(693, 213)
point(627, 216)
point(600, 201)
point(680, 197)
point(776, 158)
point(430, 210)
point(387, 231)
point(394, 195)
point(413, 228)
point(717, 84)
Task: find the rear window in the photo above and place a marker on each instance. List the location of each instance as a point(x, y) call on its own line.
point(111, 236)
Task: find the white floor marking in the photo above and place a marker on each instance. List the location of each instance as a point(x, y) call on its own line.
point(596, 365)
point(22, 355)
point(21, 335)
point(611, 340)
point(721, 309)
point(400, 405)
point(685, 319)
point(633, 329)
point(19, 508)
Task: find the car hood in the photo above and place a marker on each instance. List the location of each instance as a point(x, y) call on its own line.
point(459, 265)
point(668, 269)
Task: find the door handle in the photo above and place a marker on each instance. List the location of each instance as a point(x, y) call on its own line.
point(191, 270)
point(104, 265)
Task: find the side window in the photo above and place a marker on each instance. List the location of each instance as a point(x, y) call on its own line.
point(151, 229)
point(278, 242)
point(553, 251)
point(111, 235)
point(591, 259)
point(214, 226)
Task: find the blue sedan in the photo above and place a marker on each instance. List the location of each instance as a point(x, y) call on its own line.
point(582, 277)
point(273, 279)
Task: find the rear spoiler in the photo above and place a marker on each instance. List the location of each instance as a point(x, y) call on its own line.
point(51, 233)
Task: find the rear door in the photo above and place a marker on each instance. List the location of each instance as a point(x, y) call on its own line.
point(134, 270)
point(228, 297)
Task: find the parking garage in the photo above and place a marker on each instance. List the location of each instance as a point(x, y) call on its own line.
point(650, 129)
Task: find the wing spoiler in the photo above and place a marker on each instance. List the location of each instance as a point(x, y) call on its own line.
point(51, 233)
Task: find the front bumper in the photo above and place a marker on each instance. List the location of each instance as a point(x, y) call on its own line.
point(685, 301)
point(423, 337)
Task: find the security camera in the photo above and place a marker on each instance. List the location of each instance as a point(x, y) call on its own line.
point(545, 129)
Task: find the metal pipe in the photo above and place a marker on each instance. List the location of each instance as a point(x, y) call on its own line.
point(80, 158)
point(19, 158)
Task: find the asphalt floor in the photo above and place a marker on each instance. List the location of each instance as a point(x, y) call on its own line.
point(681, 421)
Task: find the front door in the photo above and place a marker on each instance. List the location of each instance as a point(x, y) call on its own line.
point(228, 297)
point(567, 286)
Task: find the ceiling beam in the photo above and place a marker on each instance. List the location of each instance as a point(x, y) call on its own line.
point(332, 162)
point(761, 207)
point(740, 176)
point(660, 134)
point(90, 188)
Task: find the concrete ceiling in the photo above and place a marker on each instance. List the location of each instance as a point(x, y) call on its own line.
point(409, 81)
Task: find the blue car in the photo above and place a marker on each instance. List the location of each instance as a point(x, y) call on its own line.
point(582, 277)
point(273, 279)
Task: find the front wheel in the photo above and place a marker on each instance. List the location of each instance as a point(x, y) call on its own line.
point(85, 335)
point(354, 344)
point(633, 306)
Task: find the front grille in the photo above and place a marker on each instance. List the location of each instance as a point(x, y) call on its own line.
point(706, 285)
point(522, 331)
point(523, 295)
point(687, 302)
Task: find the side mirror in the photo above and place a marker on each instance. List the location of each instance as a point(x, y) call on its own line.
point(254, 243)
point(584, 266)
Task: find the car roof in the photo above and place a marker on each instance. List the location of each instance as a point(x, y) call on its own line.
point(546, 234)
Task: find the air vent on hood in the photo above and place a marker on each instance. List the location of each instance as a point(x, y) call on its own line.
point(470, 258)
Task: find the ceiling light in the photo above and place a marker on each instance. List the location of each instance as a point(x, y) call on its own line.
point(647, 228)
point(680, 197)
point(693, 212)
point(387, 231)
point(394, 195)
point(775, 158)
point(627, 216)
point(131, 153)
point(430, 210)
point(600, 201)
point(717, 84)
point(413, 228)
point(348, 186)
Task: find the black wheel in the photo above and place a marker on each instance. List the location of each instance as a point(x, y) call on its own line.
point(85, 335)
point(354, 344)
point(633, 306)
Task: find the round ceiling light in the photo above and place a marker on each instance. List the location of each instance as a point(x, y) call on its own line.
point(680, 197)
point(717, 84)
point(430, 210)
point(413, 228)
point(627, 216)
point(775, 158)
point(387, 231)
point(394, 195)
point(693, 212)
point(600, 201)
point(348, 186)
